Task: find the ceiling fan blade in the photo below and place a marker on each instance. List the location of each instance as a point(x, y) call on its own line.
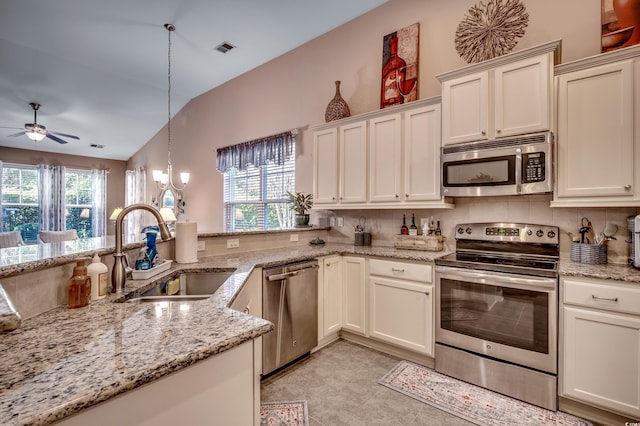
point(14, 128)
point(55, 138)
point(64, 134)
point(16, 134)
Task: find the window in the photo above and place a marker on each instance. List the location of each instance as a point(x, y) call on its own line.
point(255, 198)
point(20, 201)
point(78, 202)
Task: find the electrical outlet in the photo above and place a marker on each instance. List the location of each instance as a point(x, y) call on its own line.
point(293, 237)
point(332, 221)
point(234, 243)
point(340, 221)
point(201, 246)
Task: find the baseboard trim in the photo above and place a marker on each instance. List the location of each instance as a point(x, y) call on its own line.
point(401, 353)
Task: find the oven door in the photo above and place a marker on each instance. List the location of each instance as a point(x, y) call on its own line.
point(503, 316)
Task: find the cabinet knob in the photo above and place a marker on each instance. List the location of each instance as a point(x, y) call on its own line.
point(627, 187)
point(426, 292)
point(397, 196)
point(483, 133)
point(406, 195)
point(498, 131)
point(246, 310)
point(333, 198)
point(341, 198)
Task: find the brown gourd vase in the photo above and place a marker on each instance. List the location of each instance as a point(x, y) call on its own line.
point(337, 108)
point(628, 14)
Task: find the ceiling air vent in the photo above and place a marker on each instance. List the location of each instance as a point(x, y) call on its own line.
point(224, 47)
point(95, 145)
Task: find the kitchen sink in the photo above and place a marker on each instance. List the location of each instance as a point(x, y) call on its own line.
point(188, 286)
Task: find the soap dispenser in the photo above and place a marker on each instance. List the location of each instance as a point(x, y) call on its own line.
point(79, 286)
point(99, 273)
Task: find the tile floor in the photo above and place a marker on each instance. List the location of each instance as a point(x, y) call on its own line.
point(340, 385)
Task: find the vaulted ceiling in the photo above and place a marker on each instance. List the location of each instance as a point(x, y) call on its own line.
point(99, 68)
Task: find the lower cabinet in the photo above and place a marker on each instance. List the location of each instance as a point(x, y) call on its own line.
point(600, 344)
point(329, 298)
point(401, 304)
point(218, 390)
point(354, 300)
point(249, 300)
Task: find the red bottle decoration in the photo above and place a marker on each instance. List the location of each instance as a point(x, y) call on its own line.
point(392, 75)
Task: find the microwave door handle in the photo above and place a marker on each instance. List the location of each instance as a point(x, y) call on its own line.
point(518, 171)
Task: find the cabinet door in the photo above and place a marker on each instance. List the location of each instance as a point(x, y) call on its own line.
point(422, 141)
point(385, 134)
point(401, 313)
point(325, 166)
point(465, 108)
point(332, 295)
point(595, 132)
point(354, 299)
point(523, 96)
point(353, 163)
point(249, 300)
point(601, 359)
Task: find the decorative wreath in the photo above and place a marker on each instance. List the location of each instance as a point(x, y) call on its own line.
point(490, 29)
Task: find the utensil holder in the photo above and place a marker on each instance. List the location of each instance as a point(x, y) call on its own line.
point(593, 254)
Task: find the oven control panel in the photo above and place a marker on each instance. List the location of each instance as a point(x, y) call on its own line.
point(512, 232)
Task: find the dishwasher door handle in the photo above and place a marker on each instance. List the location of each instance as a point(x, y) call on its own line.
point(284, 276)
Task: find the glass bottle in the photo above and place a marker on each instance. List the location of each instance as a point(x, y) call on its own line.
point(79, 286)
point(438, 230)
point(413, 229)
point(403, 229)
point(390, 76)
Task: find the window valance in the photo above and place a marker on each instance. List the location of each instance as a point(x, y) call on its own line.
point(273, 149)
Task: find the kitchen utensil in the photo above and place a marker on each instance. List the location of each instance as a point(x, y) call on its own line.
point(610, 230)
point(360, 226)
point(590, 236)
point(584, 228)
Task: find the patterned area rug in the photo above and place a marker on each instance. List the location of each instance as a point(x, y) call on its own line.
point(470, 402)
point(290, 413)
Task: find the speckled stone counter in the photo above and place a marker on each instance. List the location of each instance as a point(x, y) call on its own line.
point(620, 272)
point(65, 360)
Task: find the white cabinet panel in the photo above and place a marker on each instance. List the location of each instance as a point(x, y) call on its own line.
point(385, 134)
point(422, 140)
point(465, 107)
point(331, 297)
point(353, 162)
point(354, 294)
point(325, 166)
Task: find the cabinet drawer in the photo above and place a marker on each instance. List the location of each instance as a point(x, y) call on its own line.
point(403, 270)
point(609, 295)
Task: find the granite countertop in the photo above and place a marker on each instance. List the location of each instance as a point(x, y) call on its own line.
point(65, 360)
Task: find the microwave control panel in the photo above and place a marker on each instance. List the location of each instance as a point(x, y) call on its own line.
point(533, 169)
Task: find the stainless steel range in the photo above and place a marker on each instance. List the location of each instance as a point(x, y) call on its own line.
point(497, 310)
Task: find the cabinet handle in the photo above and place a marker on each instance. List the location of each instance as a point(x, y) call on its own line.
point(246, 310)
point(611, 299)
point(627, 187)
point(397, 270)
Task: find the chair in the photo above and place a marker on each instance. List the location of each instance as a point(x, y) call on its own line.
point(56, 236)
point(11, 239)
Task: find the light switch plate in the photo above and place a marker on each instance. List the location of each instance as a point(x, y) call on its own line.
point(201, 245)
point(293, 237)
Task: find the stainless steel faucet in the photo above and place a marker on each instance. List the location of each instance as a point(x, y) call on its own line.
point(119, 273)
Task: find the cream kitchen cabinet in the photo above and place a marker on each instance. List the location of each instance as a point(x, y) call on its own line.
point(329, 298)
point(354, 297)
point(401, 304)
point(249, 299)
point(600, 344)
point(396, 165)
point(598, 138)
point(340, 168)
point(505, 96)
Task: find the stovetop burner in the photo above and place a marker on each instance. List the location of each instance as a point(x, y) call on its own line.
point(506, 247)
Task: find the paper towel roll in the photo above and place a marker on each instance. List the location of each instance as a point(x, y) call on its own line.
point(186, 242)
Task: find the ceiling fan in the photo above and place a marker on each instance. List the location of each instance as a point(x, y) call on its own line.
point(36, 132)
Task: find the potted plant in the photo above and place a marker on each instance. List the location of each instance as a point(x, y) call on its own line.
point(300, 203)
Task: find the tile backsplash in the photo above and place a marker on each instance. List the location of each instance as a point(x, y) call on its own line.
point(383, 224)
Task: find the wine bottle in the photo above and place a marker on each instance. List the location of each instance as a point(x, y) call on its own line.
point(438, 230)
point(390, 76)
point(413, 229)
point(403, 229)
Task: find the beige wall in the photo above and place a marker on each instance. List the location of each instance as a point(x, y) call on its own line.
point(292, 91)
point(115, 178)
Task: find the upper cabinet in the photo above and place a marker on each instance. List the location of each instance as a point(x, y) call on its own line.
point(506, 96)
point(598, 138)
point(384, 159)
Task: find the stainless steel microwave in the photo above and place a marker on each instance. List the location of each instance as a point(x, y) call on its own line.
point(508, 166)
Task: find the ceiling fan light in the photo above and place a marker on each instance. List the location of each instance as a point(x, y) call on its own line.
point(35, 136)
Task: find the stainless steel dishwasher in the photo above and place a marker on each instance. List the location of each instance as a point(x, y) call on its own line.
point(290, 302)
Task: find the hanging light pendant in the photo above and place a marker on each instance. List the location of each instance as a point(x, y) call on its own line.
point(164, 180)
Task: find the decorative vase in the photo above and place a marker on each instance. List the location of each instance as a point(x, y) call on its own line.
point(628, 14)
point(337, 108)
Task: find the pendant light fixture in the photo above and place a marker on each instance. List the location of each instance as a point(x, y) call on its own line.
point(164, 181)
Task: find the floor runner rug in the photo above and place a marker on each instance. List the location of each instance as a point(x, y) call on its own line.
point(470, 402)
point(289, 413)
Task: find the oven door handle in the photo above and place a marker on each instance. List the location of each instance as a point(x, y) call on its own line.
point(488, 277)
